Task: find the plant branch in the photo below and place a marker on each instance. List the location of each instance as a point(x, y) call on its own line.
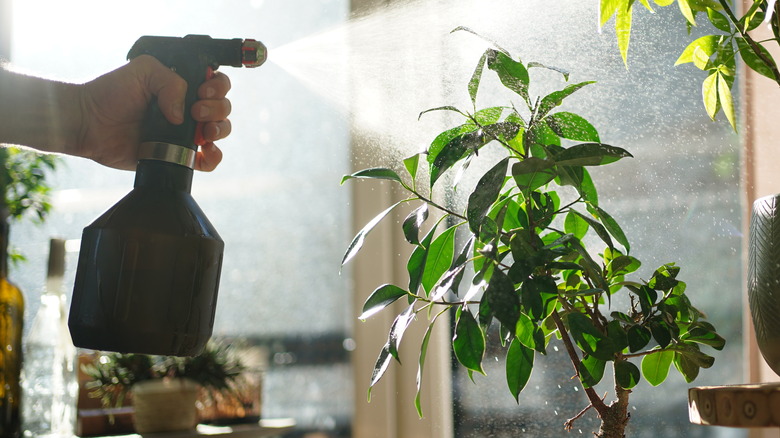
point(595, 401)
point(569, 424)
point(640, 354)
point(434, 204)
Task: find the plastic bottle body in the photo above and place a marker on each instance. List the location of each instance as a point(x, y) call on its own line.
point(148, 270)
point(49, 376)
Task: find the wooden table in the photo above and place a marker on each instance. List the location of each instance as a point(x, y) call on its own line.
point(265, 428)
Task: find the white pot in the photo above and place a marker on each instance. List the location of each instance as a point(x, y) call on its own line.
point(165, 405)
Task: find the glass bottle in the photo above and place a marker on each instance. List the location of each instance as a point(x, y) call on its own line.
point(49, 379)
point(11, 320)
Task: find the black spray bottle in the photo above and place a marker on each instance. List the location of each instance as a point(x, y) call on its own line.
point(149, 267)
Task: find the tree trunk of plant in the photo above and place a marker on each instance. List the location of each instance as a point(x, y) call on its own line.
point(614, 418)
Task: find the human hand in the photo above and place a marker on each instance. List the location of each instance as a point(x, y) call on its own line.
point(113, 107)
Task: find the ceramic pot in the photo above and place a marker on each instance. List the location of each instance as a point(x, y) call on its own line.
point(764, 277)
point(165, 405)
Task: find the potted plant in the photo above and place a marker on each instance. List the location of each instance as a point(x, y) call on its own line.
point(165, 390)
point(525, 247)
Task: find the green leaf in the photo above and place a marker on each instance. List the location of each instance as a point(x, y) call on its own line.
point(421, 363)
point(469, 342)
point(638, 338)
point(617, 334)
point(512, 74)
point(664, 278)
point(416, 264)
point(359, 239)
point(709, 91)
point(579, 178)
point(704, 335)
point(485, 194)
point(575, 224)
point(556, 98)
point(439, 258)
point(685, 8)
point(623, 265)
point(597, 227)
point(572, 126)
point(627, 374)
point(524, 331)
point(458, 148)
point(661, 332)
point(504, 303)
point(686, 367)
point(719, 20)
point(591, 371)
point(442, 108)
point(519, 364)
point(754, 61)
point(411, 164)
point(726, 101)
point(706, 45)
point(382, 297)
point(538, 297)
point(487, 117)
point(413, 222)
point(381, 365)
point(532, 173)
point(563, 72)
point(588, 337)
point(611, 226)
point(375, 173)
point(607, 9)
point(476, 77)
point(397, 330)
point(623, 20)
point(443, 139)
point(655, 366)
point(590, 154)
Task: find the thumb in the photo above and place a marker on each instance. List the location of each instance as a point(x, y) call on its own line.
point(162, 82)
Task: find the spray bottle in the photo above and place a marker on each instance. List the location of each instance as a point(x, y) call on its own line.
point(149, 267)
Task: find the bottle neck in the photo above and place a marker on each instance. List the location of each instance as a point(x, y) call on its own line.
point(161, 174)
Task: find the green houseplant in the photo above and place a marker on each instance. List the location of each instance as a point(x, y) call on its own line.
point(23, 185)
point(518, 256)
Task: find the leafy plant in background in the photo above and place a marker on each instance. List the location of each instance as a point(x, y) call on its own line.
point(715, 54)
point(526, 265)
point(113, 375)
point(23, 185)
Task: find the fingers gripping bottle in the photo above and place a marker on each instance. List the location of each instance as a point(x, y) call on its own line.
point(149, 267)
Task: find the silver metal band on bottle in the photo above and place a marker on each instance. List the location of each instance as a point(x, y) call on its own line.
point(171, 153)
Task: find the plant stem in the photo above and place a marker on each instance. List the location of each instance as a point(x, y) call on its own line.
point(595, 401)
point(434, 204)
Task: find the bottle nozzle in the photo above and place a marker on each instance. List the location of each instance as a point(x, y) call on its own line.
point(253, 53)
